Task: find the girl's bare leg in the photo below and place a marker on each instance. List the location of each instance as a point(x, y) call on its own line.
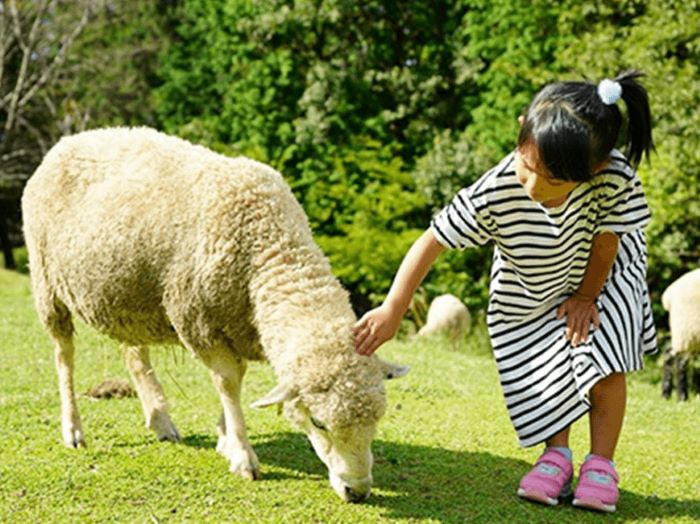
point(608, 398)
point(561, 439)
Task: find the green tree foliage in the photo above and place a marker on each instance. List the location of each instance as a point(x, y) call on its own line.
point(507, 48)
point(112, 69)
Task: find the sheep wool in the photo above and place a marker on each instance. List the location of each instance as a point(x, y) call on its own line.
point(682, 301)
point(153, 240)
point(447, 314)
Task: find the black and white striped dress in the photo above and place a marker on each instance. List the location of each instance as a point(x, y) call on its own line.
point(540, 257)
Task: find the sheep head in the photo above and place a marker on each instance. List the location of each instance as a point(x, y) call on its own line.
point(339, 416)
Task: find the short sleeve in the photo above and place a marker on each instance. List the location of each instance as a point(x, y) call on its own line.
point(623, 206)
point(464, 222)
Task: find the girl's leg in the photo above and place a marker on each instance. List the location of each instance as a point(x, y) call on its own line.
point(608, 399)
point(561, 439)
point(597, 485)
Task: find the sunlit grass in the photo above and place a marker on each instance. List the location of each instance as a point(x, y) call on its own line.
point(445, 451)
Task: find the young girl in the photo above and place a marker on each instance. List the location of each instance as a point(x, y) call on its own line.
point(566, 213)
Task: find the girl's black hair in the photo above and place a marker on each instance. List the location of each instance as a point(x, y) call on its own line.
point(575, 131)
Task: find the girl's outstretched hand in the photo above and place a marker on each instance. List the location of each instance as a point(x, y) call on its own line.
point(579, 315)
point(374, 328)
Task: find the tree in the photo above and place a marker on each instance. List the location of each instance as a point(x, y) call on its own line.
point(35, 37)
point(112, 70)
point(72, 65)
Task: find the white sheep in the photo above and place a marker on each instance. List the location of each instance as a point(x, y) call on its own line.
point(153, 240)
point(682, 301)
point(447, 314)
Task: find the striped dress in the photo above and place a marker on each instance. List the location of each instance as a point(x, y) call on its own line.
point(540, 256)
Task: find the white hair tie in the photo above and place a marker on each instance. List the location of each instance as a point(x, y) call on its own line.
point(609, 91)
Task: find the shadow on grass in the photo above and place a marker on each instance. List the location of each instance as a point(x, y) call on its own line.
point(420, 482)
point(199, 440)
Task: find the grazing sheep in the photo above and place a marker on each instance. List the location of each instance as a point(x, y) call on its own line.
point(682, 301)
point(447, 314)
point(153, 240)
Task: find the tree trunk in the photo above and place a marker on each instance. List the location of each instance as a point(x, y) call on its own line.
point(6, 245)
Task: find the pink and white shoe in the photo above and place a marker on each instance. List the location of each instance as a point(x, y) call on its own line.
point(549, 480)
point(597, 485)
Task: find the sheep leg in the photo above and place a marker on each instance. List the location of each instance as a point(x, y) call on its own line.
point(695, 382)
point(71, 427)
point(56, 319)
point(221, 432)
point(682, 375)
point(667, 375)
point(153, 400)
point(227, 374)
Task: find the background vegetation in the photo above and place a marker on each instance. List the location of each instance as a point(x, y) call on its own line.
point(445, 451)
point(376, 112)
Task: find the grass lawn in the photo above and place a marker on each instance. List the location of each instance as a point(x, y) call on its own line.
point(445, 451)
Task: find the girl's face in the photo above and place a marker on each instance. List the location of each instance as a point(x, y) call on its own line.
point(537, 180)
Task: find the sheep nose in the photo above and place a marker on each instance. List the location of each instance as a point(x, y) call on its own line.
point(355, 496)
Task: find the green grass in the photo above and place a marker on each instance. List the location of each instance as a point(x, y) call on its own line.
point(445, 451)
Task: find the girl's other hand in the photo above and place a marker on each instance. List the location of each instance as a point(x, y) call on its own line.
point(579, 315)
point(374, 328)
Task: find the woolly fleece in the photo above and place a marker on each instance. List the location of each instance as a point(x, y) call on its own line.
point(682, 301)
point(154, 240)
point(447, 314)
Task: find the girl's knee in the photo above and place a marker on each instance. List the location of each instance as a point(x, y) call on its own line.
point(613, 384)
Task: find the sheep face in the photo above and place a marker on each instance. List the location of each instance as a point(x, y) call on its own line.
point(340, 423)
point(346, 452)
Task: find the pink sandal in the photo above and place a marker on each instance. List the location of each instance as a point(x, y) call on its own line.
point(597, 485)
point(549, 479)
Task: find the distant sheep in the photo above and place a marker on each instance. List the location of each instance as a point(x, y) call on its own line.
point(447, 314)
point(153, 240)
point(682, 301)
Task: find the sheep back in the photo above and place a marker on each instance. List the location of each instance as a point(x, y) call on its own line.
point(682, 301)
point(139, 233)
point(447, 313)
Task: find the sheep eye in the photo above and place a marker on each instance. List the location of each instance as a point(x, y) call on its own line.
point(317, 424)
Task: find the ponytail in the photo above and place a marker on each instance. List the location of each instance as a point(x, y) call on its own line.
point(638, 140)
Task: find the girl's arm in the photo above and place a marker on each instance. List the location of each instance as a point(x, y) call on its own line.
point(381, 324)
point(603, 253)
point(580, 309)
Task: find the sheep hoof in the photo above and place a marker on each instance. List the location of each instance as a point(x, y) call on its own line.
point(171, 436)
point(247, 472)
point(243, 462)
point(164, 428)
point(73, 438)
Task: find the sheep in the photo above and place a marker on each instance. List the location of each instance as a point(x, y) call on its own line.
point(682, 301)
point(153, 240)
point(447, 314)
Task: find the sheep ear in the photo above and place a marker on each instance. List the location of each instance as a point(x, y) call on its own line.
point(277, 395)
point(393, 370)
